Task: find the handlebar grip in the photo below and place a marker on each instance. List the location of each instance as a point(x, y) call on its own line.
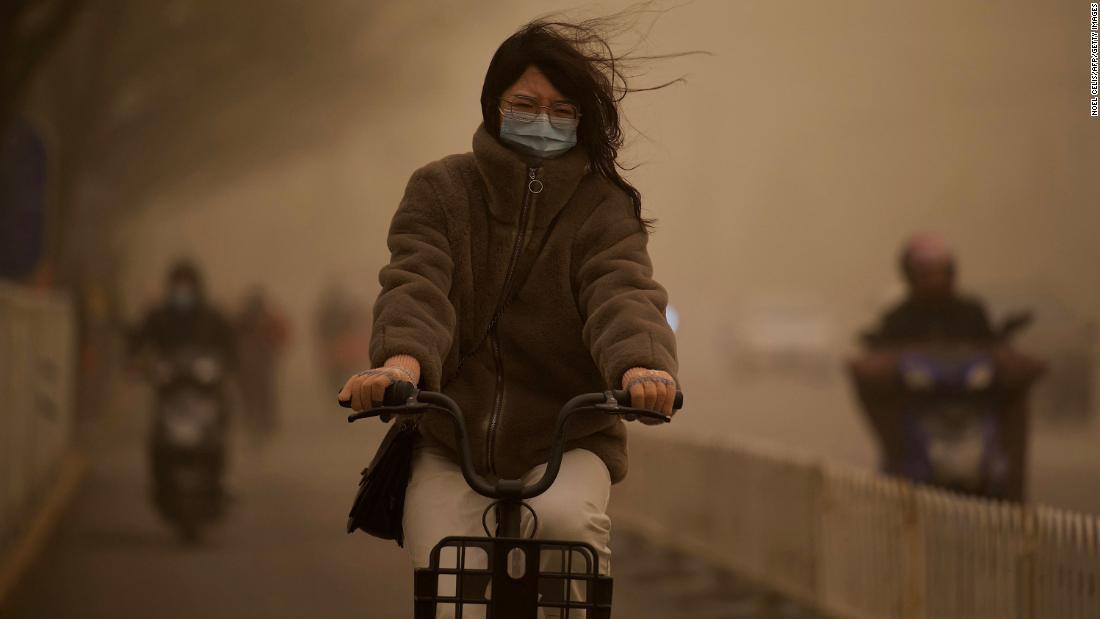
point(398, 393)
point(623, 397)
point(395, 395)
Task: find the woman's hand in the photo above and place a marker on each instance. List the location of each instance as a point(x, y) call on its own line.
point(651, 389)
point(367, 387)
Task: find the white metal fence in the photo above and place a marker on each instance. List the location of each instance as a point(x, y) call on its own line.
point(36, 372)
point(856, 544)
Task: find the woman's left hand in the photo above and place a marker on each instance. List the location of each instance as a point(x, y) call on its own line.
point(651, 389)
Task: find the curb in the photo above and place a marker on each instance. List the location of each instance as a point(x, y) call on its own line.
point(26, 548)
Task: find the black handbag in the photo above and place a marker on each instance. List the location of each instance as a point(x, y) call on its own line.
point(380, 502)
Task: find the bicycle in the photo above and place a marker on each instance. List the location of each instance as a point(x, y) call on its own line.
point(511, 585)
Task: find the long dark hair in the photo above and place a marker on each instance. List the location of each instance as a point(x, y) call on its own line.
point(578, 60)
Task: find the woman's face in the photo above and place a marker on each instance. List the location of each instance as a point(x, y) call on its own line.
point(534, 85)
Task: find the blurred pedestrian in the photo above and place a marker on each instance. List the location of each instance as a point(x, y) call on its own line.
point(342, 330)
point(262, 332)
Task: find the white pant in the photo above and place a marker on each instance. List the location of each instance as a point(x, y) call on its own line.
point(439, 503)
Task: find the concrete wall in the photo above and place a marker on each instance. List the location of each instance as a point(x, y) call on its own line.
point(37, 369)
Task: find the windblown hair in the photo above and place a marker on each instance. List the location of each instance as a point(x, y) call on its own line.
point(578, 60)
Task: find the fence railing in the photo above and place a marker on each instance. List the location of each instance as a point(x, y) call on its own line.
point(859, 545)
point(36, 372)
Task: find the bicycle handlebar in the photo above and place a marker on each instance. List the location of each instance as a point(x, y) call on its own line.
point(403, 398)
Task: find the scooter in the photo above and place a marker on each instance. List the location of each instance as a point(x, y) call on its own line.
point(952, 415)
point(951, 426)
point(188, 440)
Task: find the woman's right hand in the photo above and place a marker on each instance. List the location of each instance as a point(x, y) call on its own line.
point(367, 388)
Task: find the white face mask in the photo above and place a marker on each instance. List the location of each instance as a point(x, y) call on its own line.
point(537, 137)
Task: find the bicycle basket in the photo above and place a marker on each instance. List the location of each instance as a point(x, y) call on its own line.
point(500, 578)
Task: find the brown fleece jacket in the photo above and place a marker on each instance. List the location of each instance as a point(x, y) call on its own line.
point(578, 309)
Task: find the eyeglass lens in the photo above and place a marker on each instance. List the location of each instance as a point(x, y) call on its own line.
point(526, 110)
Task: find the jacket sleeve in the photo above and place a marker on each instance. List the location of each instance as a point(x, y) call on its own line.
point(623, 308)
point(413, 314)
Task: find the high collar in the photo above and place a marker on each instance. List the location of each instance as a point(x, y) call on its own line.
point(506, 175)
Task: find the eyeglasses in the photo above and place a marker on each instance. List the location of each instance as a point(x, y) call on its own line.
point(526, 110)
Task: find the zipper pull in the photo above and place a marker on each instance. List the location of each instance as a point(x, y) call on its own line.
point(534, 185)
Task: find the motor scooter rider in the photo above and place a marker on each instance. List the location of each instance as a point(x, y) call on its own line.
point(934, 309)
point(934, 312)
point(183, 321)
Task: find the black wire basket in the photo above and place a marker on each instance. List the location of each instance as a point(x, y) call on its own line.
point(500, 578)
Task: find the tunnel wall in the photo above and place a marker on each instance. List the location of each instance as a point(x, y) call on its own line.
point(857, 544)
point(36, 403)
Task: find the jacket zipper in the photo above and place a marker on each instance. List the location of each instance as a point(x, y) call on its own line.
point(534, 187)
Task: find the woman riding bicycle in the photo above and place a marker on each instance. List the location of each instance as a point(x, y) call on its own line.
point(519, 277)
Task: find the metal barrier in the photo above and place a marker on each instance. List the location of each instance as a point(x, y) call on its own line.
point(36, 374)
point(856, 544)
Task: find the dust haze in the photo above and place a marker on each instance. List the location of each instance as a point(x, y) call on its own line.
point(784, 173)
point(272, 146)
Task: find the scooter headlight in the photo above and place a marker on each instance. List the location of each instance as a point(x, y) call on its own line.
point(207, 370)
point(917, 378)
